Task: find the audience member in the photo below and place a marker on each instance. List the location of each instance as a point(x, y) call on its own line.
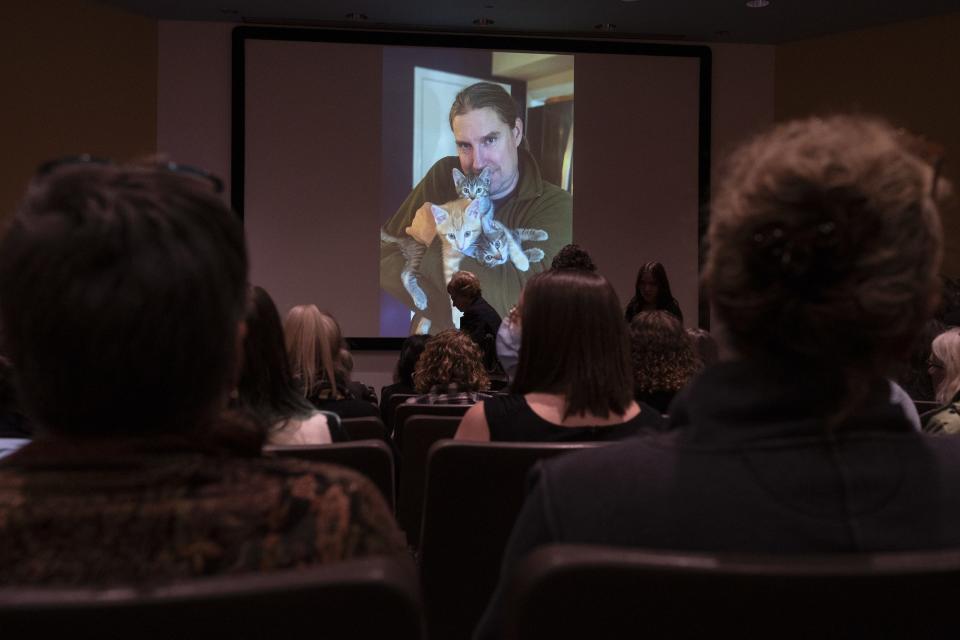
point(944, 366)
point(266, 388)
point(122, 296)
point(663, 358)
point(824, 246)
point(571, 256)
point(402, 374)
point(652, 292)
point(573, 380)
point(321, 364)
point(450, 371)
point(480, 321)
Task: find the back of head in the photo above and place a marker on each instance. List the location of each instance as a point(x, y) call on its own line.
point(409, 354)
point(575, 342)
point(266, 385)
point(662, 352)
point(450, 357)
point(464, 283)
point(314, 342)
point(121, 289)
point(824, 244)
point(572, 256)
point(946, 348)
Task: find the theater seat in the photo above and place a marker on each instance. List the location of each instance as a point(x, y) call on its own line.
point(367, 598)
point(372, 458)
point(420, 432)
point(474, 491)
point(569, 591)
point(364, 428)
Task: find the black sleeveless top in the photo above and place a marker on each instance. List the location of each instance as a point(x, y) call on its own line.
point(511, 419)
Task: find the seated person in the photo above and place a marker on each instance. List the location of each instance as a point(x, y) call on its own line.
point(321, 364)
point(450, 371)
point(122, 297)
point(266, 388)
point(402, 374)
point(662, 356)
point(480, 321)
point(944, 369)
point(574, 380)
point(824, 247)
point(652, 292)
point(571, 256)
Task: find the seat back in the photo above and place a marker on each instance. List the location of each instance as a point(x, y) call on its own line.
point(372, 458)
point(419, 434)
point(387, 411)
point(364, 428)
point(376, 597)
point(569, 591)
point(404, 411)
point(474, 492)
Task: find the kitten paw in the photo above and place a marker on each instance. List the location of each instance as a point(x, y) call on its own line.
point(419, 300)
point(540, 234)
point(534, 255)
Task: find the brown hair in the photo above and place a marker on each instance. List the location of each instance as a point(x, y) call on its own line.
point(465, 284)
point(661, 351)
point(485, 94)
point(824, 244)
point(450, 357)
point(119, 286)
point(575, 343)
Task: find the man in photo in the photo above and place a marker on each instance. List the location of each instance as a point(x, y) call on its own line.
point(489, 134)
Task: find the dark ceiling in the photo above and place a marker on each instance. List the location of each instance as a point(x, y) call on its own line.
point(680, 20)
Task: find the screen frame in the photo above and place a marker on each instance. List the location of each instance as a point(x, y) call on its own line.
point(242, 34)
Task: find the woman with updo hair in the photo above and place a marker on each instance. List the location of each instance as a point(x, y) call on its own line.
point(823, 251)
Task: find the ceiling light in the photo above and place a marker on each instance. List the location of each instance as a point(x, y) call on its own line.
point(483, 22)
point(605, 26)
point(356, 15)
point(758, 4)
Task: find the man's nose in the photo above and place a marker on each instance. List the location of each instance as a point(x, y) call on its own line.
point(478, 160)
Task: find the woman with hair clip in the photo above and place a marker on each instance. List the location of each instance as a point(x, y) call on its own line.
point(266, 388)
point(652, 293)
point(574, 379)
point(321, 364)
point(824, 247)
point(944, 369)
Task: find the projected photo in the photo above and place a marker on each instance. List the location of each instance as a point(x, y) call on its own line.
point(490, 184)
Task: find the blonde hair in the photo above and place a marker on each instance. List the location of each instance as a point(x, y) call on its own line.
point(946, 348)
point(316, 348)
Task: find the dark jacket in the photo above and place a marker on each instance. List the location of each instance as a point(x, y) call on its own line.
point(751, 467)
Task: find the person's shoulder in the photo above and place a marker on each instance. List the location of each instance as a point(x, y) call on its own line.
point(443, 168)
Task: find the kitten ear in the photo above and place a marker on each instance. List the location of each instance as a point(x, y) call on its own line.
point(475, 210)
point(485, 176)
point(439, 214)
point(458, 178)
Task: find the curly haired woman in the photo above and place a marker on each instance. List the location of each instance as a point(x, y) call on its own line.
point(662, 356)
point(450, 371)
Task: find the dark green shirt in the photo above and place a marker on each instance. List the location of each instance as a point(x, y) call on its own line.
point(535, 204)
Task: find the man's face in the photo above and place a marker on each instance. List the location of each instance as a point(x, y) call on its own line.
point(483, 140)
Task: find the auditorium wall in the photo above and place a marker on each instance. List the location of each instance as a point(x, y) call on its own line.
point(76, 77)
